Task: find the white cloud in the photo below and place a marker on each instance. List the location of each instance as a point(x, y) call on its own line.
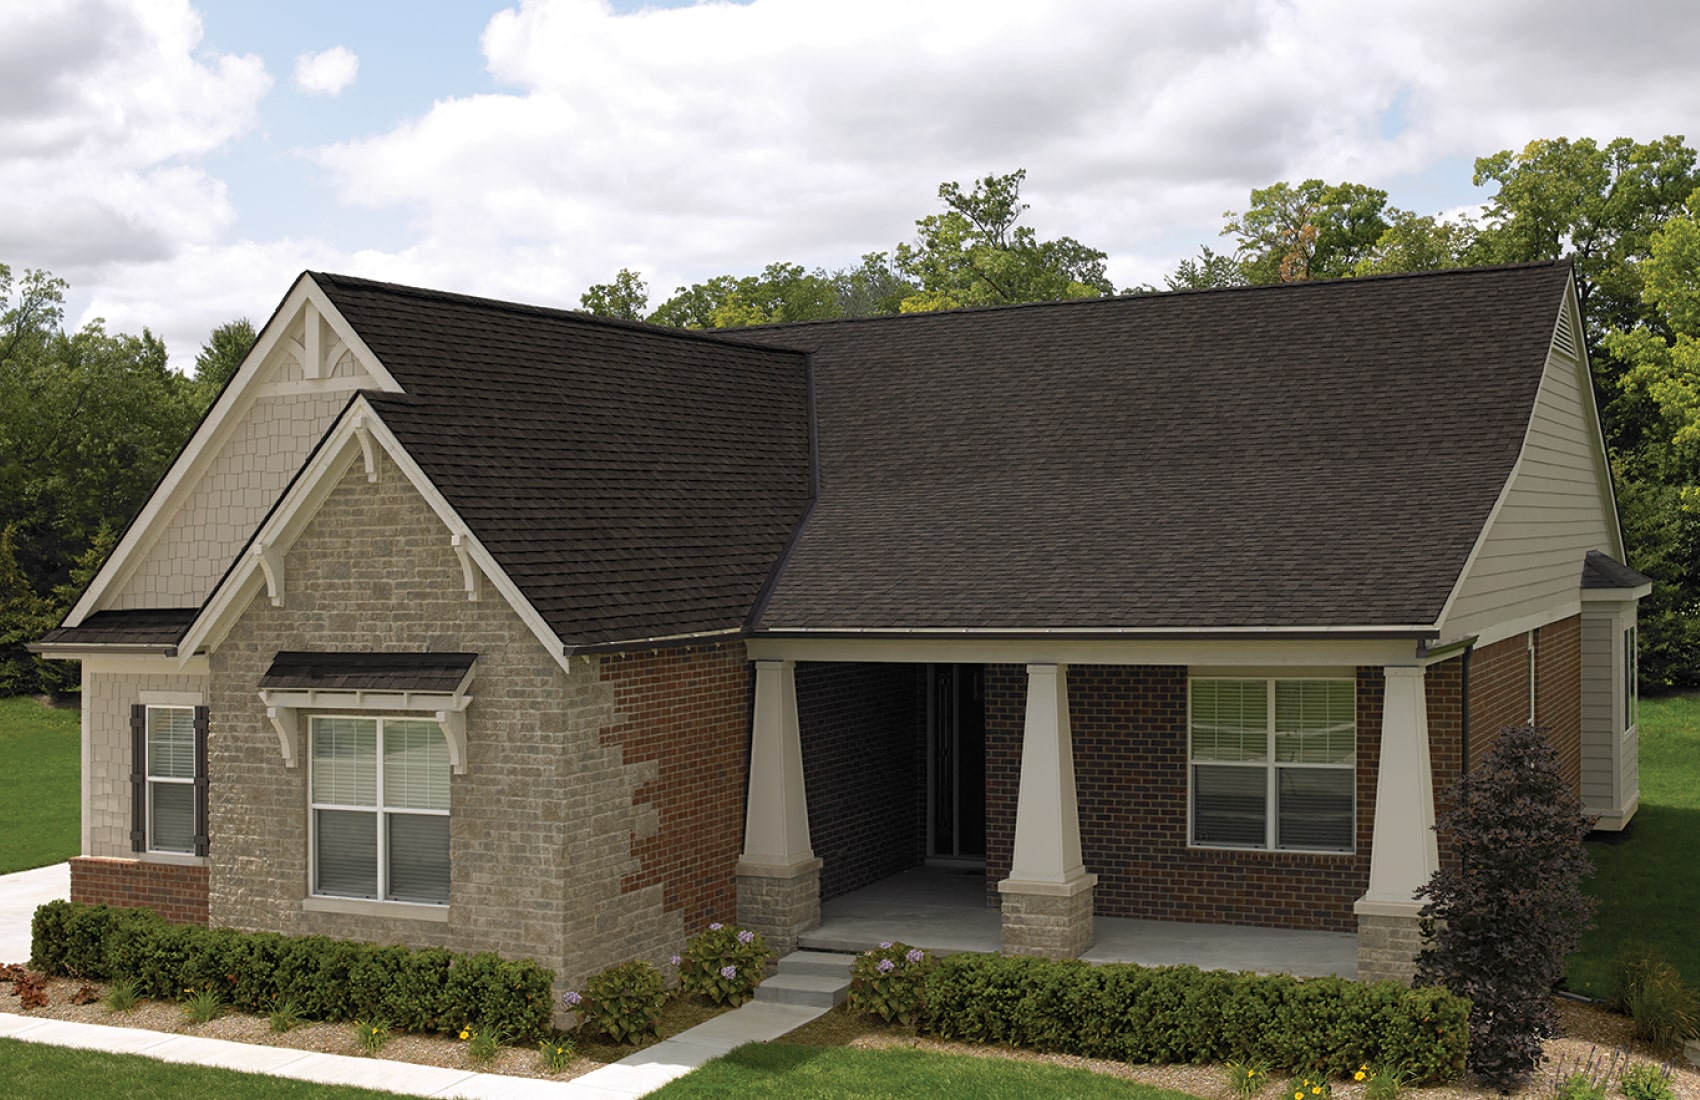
point(327, 72)
point(107, 108)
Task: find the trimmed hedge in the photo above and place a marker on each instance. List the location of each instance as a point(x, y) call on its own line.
point(426, 990)
point(1182, 1014)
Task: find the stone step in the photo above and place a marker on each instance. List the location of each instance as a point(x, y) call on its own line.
point(826, 964)
point(814, 990)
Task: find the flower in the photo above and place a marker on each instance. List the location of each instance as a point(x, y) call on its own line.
point(746, 936)
point(466, 1033)
point(1299, 1095)
point(915, 955)
point(571, 998)
point(886, 966)
point(728, 972)
point(1316, 1090)
point(1358, 1076)
point(674, 960)
point(885, 945)
point(716, 926)
point(1251, 1073)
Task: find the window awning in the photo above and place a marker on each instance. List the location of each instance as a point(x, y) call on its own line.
point(434, 683)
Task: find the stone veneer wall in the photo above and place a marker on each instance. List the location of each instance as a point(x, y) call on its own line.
point(1130, 752)
point(177, 892)
point(863, 729)
point(542, 826)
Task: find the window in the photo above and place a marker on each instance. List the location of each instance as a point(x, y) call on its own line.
point(380, 809)
point(1273, 764)
point(171, 779)
point(1631, 680)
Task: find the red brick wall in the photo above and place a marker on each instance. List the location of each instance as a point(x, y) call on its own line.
point(1499, 693)
point(864, 765)
point(1130, 751)
point(174, 891)
point(689, 711)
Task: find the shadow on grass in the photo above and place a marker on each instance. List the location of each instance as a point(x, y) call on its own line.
point(1648, 887)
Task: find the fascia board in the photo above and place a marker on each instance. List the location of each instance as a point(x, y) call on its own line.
point(209, 437)
point(301, 502)
point(1596, 430)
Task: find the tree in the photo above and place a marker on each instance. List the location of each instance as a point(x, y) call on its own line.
point(1211, 269)
point(974, 254)
point(1500, 920)
point(221, 355)
point(1312, 231)
point(782, 292)
point(1418, 242)
point(872, 288)
point(626, 298)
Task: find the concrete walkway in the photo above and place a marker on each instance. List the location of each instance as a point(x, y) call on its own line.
point(633, 1076)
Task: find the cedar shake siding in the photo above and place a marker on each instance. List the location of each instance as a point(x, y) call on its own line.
point(548, 827)
point(1130, 761)
point(865, 769)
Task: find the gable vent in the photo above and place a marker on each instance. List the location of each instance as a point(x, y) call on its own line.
point(1564, 337)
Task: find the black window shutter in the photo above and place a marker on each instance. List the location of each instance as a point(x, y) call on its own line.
point(138, 778)
point(200, 781)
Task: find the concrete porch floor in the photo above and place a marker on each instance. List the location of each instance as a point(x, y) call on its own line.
point(945, 911)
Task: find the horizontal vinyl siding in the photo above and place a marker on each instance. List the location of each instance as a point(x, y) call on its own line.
point(1600, 779)
point(1554, 513)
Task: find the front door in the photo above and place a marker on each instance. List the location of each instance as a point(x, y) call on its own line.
point(956, 765)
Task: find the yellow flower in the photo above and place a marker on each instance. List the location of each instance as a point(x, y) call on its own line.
point(464, 1033)
point(1358, 1076)
point(1299, 1095)
point(1316, 1090)
point(1251, 1073)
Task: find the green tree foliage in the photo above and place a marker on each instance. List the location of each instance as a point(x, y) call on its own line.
point(626, 298)
point(1418, 242)
point(1500, 921)
point(782, 292)
point(88, 422)
point(1208, 270)
point(974, 254)
point(223, 352)
point(1314, 230)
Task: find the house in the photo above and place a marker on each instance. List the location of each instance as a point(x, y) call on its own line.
point(466, 623)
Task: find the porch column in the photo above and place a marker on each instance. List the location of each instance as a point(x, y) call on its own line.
point(1403, 850)
point(778, 874)
point(1047, 898)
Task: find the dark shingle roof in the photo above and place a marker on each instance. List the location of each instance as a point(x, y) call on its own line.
point(1601, 570)
point(1319, 454)
point(634, 482)
point(368, 671)
point(153, 627)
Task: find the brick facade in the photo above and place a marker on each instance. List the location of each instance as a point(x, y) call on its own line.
point(177, 892)
point(1130, 759)
point(863, 732)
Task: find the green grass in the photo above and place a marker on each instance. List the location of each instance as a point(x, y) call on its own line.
point(33, 1071)
point(1648, 885)
point(895, 1073)
point(39, 815)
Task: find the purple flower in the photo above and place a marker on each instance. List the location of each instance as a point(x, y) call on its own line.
point(715, 927)
point(675, 960)
point(728, 972)
point(746, 936)
point(915, 955)
point(886, 966)
point(570, 998)
point(885, 945)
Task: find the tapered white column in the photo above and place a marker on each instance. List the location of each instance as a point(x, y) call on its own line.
point(1047, 898)
point(776, 819)
point(1403, 852)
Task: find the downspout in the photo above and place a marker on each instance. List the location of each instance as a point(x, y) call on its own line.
point(1464, 710)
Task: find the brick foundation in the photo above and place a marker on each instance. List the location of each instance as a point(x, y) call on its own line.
point(175, 891)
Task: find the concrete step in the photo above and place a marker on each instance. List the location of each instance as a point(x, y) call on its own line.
point(804, 989)
point(825, 964)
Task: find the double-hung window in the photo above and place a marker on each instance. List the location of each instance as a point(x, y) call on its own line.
point(1272, 764)
point(1631, 680)
point(380, 809)
point(171, 779)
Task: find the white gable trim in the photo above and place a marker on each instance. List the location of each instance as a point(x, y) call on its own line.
point(260, 565)
point(215, 430)
point(1569, 312)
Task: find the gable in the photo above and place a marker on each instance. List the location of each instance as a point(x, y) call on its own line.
point(1557, 506)
point(302, 370)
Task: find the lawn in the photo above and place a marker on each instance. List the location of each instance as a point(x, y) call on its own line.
point(40, 816)
point(34, 1071)
point(806, 1073)
point(1649, 883)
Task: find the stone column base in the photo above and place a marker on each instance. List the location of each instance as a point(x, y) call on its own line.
point(1389, 938)
point(779, 902)
point(1047, 920)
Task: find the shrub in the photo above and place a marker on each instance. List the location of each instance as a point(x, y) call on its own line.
point(1386, 1083)
point(623, 1002)
point(723, 963)
point(1650, 990)
point(324, 979)
point(1247, 1078)
point(202, 1006)
point(284, 1017)
point(121, 995)
point(1312, 1086)
point(1130, 1013)
point(371, 1035)
point(890, 982)
point(1645, 1081)
point(1500, 921)
point(556, 1052)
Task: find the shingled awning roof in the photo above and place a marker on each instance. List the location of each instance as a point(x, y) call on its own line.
point(636, 483)
point(152, 628)
point(1313, 455)
point(1600, 570)
point(325, 671)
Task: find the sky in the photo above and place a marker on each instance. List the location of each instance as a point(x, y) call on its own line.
point(180, 163)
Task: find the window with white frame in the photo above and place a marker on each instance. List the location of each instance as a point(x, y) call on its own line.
point(1631, 680)
point(171, 779)
point(380, 809)
point(1273, 764)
